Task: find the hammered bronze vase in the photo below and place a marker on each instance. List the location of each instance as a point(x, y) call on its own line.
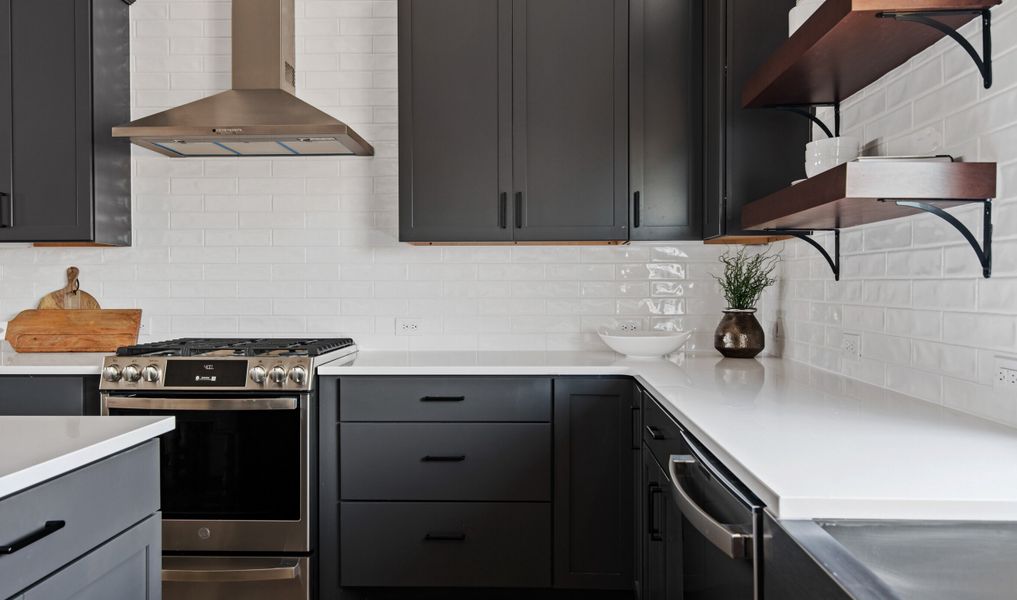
point(739, 334)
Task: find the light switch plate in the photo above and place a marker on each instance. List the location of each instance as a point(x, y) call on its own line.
point(1006, 374)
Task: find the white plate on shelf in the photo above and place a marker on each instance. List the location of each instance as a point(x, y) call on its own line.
point(644, 344)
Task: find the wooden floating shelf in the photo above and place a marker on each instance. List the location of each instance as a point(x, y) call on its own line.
point(844, 47)
point(746, 240)
point(849, 195)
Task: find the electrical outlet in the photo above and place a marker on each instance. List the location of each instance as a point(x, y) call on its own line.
point(629, 326)
point(408, 326)
point(1006, 374)
point(851, 344)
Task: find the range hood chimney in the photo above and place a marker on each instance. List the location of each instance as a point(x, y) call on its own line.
point(260, 115)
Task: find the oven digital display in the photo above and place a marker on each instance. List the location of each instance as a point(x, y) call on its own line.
point(206, 373)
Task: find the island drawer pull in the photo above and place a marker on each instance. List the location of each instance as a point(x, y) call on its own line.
point(48, 529)
point(445, 459)
point(443, 399)
point(445, 537)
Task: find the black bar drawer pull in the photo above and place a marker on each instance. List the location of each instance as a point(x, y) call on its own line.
point(6, 211)
point(519, 210)
point(445, 536)
point(637, 206)
point(655, 433)
point(652, 528)
point(447, 459)
point(503, 211)
point(49, 528)
point(443, 399)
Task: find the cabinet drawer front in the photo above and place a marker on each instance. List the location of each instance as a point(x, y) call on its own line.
point(520, 399)
point(94, 504)
point(41, 396)
point(446, 461)
point(660, 432)
point(445, 544)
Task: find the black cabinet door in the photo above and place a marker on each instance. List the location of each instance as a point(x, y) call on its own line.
point(570, 119)
point(748, 153)
point(661, 535)
point(665, 91)
point(51, 126)
point(593, 483)
point(455, 120)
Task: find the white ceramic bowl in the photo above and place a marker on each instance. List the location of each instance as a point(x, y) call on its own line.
point(823, 155)
point(644, 344)
point(801, 13)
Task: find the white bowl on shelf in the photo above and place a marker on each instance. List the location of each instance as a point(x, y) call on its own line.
point(644, 344)
point(823, 155)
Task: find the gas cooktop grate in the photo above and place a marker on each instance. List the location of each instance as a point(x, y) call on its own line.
point(226, 347)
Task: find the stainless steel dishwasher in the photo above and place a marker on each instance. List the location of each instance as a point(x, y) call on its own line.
point(721, 521)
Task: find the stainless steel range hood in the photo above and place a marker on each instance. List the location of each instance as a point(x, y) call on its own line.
point(260, 115)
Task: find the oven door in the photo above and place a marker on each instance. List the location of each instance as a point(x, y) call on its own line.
point(249, 578)
point(234, 472)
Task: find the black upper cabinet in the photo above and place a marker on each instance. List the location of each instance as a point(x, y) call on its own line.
point(455, 119)
point(62, 176)
point(748, 153)
point(513, 120)
point(570, 127)
point(665, 83)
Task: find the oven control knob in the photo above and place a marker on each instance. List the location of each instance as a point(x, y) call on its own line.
point(298, 375)
point(277, 375)
point(132, 373)
point(151, 373)
point(258, 375)
point(111, 373)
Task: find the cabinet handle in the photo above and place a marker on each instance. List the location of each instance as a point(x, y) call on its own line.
point(654, 433)
point(444, 459)
point(519, 210)
point(445, 537)
point(652, 528)
point(6, 211)
point(443, 399)
point(503, 210)
point(637, 209)
point(48, 529)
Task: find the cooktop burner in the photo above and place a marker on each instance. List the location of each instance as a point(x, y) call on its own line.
point(240, 347)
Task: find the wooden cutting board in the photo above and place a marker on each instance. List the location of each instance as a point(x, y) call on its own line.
point(73, 330)
point(70, 296)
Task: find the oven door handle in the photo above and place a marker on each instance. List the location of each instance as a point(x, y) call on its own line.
point(732, 540)
point(284, 572)
point(197, 404)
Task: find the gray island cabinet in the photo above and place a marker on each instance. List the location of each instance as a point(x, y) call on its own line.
point(93, 533)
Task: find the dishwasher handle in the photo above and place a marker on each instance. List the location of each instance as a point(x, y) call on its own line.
point(284, 572)
point(733, 540)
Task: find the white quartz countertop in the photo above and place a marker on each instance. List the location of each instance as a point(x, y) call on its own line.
point(809, 443)
point(61, 363)
point(37, 449)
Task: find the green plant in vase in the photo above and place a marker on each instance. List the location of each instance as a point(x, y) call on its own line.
point(746, 276)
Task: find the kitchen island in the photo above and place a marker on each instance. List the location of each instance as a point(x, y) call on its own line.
point(79, 507)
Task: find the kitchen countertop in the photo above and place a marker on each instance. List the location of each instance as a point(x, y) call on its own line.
point(61, 363)
point(811, 444)
point(37, 449)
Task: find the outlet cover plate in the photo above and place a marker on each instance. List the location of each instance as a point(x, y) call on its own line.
point(851, 344)
point(409, 327)
point(1005, 379)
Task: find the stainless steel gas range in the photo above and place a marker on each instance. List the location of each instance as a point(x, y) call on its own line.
point(238, 473)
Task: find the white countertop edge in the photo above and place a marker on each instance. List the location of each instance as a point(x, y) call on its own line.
point(28, 477)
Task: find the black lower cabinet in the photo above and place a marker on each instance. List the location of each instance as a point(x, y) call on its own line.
point(660, 535)
point(44, 396)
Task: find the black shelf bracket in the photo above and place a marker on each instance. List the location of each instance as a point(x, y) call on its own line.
point(983, 251)
point(983, 62)
point(806, 236)
point(808, 111)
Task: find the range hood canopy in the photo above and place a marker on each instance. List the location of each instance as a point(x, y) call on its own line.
point(260, 115)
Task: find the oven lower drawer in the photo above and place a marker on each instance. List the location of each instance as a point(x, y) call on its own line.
point(222, 578)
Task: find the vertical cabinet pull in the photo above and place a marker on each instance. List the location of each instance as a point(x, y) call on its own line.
point(637, 209)
point(653, 528)
point(519, 210)
point(6, 211)
point(503, 210)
